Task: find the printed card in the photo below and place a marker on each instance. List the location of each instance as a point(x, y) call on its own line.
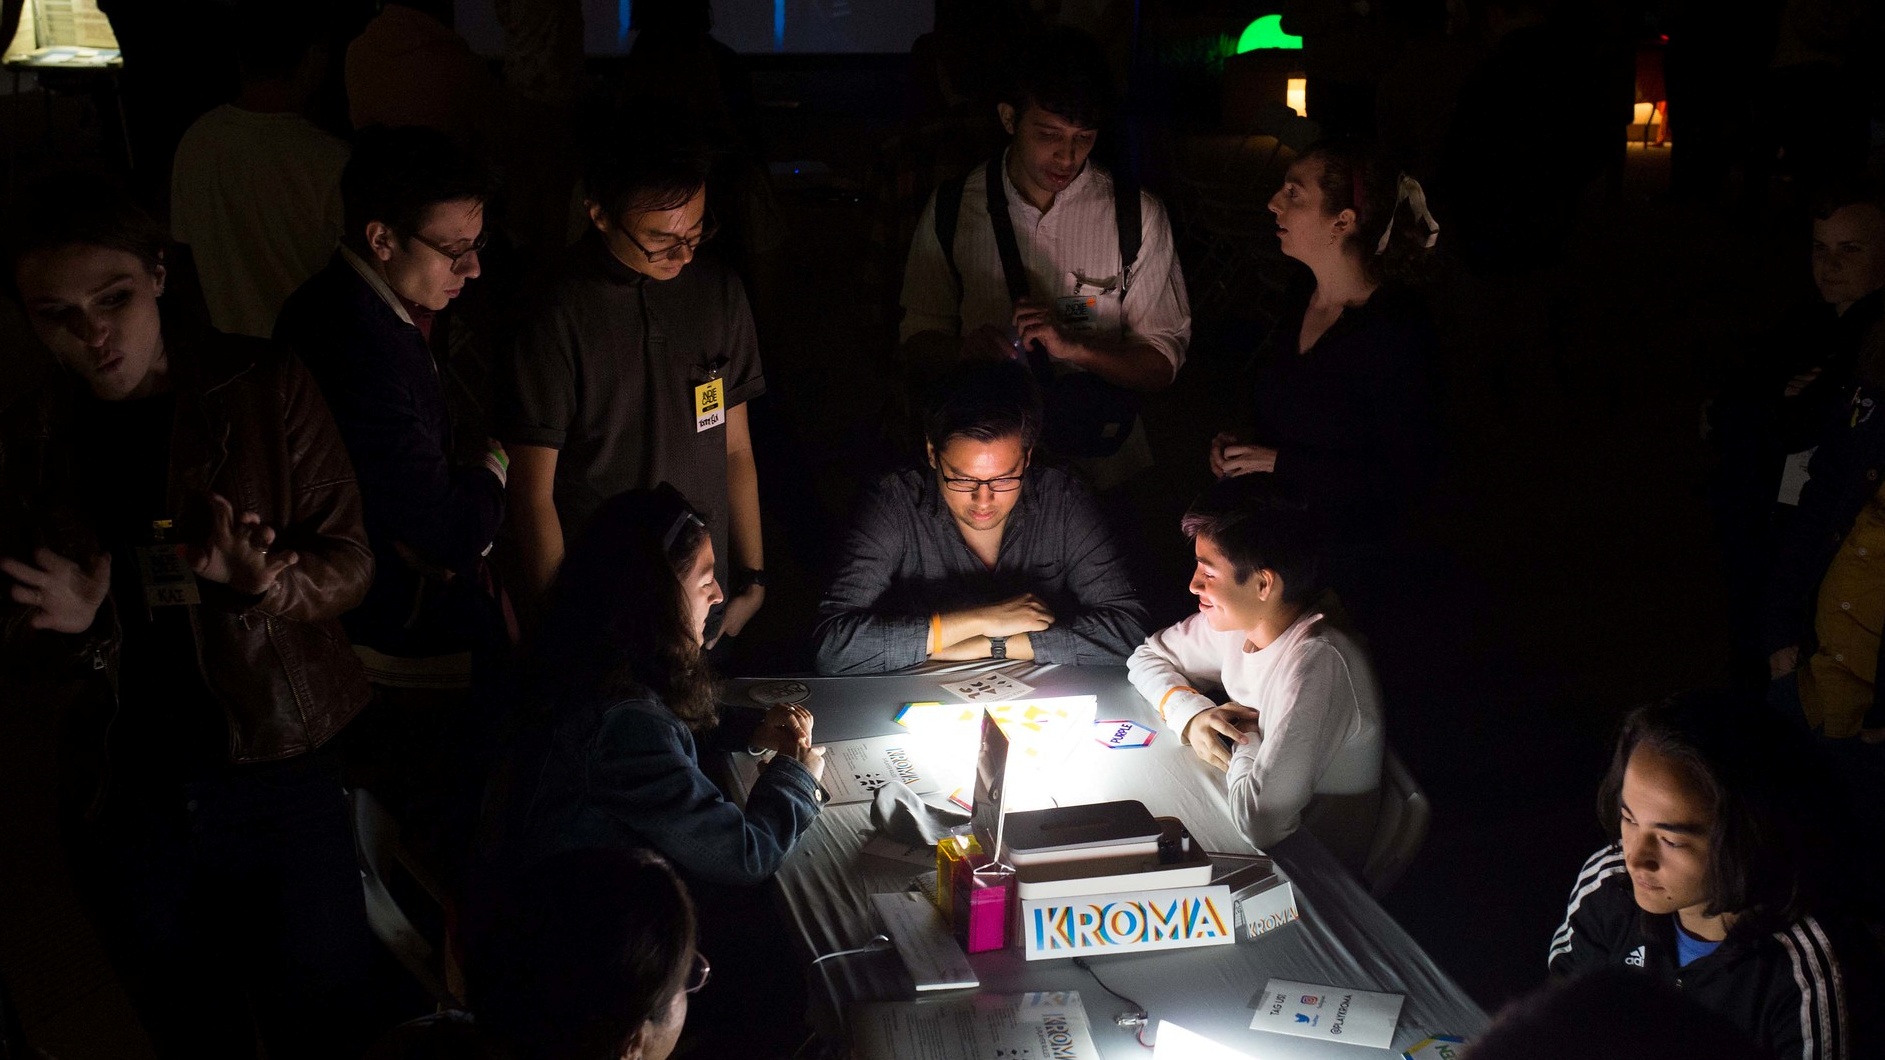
point(1338, 1014)
point(988, 688)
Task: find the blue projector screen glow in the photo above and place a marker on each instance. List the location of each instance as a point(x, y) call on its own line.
point(753, 27)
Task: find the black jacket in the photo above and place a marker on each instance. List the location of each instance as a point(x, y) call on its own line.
point(424, 516)
point(1809, 990)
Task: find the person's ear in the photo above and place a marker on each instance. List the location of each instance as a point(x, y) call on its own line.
point(929, 450)
point(632, 1049)
point(381, 242)
point(598, 216)
point(1344, 221)
point(1269, 585)
point(1007, 114)
point(158, 274)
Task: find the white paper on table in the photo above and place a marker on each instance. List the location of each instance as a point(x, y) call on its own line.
point(987, 688)
point(1793, 477)
point(856, 769)
point(1337, 1014)
point(1044, 1025)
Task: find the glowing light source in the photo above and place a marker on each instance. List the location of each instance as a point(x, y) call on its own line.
point(1266, 32)
point(1296, 94)
point(1177, 1043)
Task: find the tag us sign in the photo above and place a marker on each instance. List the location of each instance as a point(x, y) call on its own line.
point(1127, 922)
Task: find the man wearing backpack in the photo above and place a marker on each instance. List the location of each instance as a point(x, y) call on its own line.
point(1068, 268)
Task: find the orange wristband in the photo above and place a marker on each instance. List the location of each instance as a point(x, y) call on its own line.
point(1170, 692)
point(935, 632)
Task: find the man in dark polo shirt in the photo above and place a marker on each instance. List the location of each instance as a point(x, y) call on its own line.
point(635, 370)
point(980, 555)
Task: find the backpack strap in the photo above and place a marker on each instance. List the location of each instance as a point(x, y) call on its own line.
point(1005, 243)
point(948, 211)
point(1126, 218)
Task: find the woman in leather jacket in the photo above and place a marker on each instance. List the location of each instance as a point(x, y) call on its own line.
point(179, 535)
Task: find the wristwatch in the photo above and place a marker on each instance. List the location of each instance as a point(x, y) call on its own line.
point(998, 647)
point(744, 578)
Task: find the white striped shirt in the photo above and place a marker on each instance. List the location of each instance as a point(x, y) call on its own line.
point(1071, 249)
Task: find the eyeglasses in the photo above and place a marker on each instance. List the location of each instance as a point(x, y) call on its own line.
point(698, 975)
point(1004, 484)
point(708, 229)
point(477, 244)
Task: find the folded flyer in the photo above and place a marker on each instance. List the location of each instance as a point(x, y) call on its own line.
point(1039, 1025)
point(1330, 1013)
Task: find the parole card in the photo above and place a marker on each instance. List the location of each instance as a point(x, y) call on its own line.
point(1357, 1017)
point(988, 688)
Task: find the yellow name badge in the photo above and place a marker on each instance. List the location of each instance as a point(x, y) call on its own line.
point(710, 405)
point(168, 580)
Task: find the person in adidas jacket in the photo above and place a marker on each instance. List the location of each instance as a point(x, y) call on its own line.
point(1709, 886)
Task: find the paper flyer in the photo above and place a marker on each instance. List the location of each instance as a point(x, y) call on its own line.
point(856, 769)
point(1338, 1014)
point(983, 1027)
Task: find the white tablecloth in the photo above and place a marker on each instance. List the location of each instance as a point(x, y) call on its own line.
point(1344, 939)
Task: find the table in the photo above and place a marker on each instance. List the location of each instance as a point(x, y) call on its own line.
point(1344, 938)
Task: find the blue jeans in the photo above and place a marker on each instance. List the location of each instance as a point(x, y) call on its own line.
point(231, 908)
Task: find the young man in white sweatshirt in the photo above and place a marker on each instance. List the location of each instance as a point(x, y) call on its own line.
point(1297, 727)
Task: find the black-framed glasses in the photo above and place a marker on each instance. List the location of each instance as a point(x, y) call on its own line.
point(1004, 484)
point(708, 229)
point(698, 975)
point(477, 244)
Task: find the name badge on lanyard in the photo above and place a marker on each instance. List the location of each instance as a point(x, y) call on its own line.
point(168, 580)
point(710, 403)
point(1078, 312)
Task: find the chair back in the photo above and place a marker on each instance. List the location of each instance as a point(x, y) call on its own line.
point(382, 864)
point(1402, 828)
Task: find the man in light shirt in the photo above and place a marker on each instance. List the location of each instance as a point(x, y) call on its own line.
point(1074, 309)
point(1297, 727)
point(255, 186)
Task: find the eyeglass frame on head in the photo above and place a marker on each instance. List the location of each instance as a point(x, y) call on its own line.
point(953, 483)
point(478, 243)
point(709, 227)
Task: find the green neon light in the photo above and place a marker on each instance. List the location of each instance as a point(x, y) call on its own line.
point(1266, 32)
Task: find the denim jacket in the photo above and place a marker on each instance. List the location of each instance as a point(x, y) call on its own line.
point(627, 774)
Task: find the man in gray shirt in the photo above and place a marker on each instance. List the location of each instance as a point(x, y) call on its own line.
point(979, 555)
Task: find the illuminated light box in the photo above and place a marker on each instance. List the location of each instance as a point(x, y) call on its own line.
point(1041, 734)
point(1267, 33)
point(1177, 1043)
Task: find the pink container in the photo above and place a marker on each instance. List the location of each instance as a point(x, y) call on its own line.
point(981, 906)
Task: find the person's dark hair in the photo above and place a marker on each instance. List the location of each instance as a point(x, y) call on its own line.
point(1766, 855)
point(396, 175)
point(79, 209)
point(1357, 176)
point(618, 617)
point(1062, 71)
point(1838, 195)
point(1633, 1015)
point(660, 165)
point(1257, 525)
point(983, 401)
point(272, 38)
point(584, 947)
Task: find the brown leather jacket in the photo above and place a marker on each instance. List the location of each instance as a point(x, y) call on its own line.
point(252, 426)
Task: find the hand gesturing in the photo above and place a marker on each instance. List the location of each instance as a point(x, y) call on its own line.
point(238, 551)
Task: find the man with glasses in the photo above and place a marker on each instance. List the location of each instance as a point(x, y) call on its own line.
point(414, 208)
point(981, 555)
point(635, 369)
